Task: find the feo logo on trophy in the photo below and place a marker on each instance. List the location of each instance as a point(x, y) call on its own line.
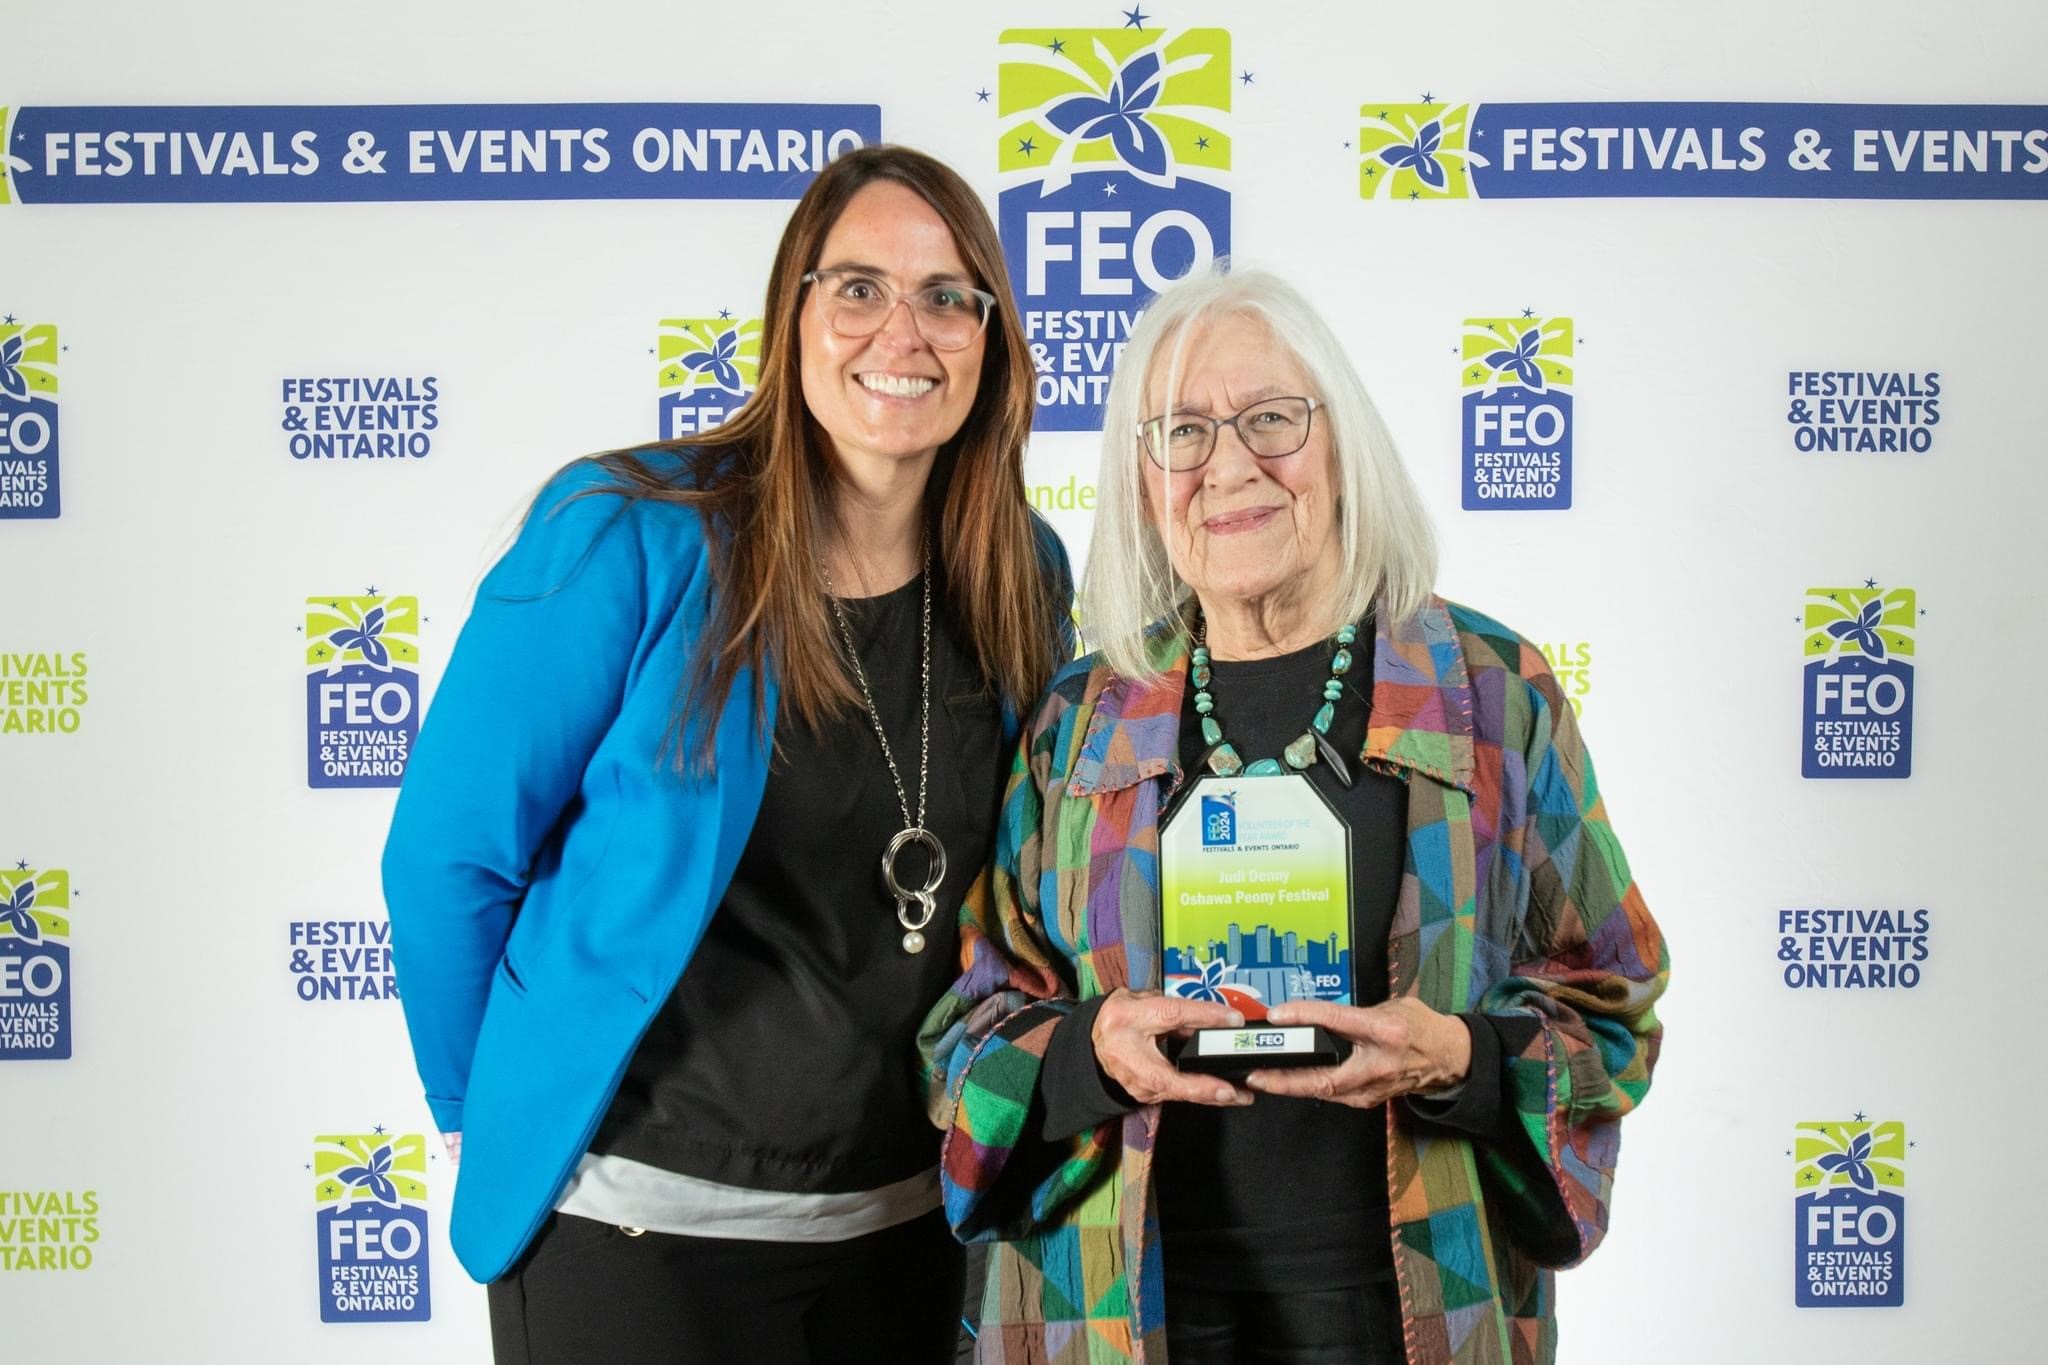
point(1114, 183)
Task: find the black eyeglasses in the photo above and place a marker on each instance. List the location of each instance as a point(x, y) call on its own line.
point(1269, 429)
point(856, 304)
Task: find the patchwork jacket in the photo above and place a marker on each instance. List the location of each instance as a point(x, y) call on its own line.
point(1515, 900)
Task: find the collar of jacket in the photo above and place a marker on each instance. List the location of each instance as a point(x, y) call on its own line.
point(1421, 709)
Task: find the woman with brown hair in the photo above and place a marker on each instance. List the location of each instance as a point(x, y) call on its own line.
point(674, 871)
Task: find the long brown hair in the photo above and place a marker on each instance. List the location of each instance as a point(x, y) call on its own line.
point(763, 483)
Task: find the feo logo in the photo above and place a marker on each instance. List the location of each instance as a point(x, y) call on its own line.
point(1115, 172)
point(35, 964)
point(709, 366)
point(28, 415)
point(1517, 413)
point(1415, 151)
point(1849, 1215)
point(362, 689)
point(1858, 708)
point(1219, 820)
point(371, 1194)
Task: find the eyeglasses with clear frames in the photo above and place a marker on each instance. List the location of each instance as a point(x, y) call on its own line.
point(856, 304)
point(1270, 428)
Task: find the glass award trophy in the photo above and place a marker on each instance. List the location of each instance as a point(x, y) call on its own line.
point(1255, 892)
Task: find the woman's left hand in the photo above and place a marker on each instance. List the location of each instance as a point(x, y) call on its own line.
point(1398, 1048)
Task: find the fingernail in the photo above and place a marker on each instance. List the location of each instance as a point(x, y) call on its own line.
point(1236, 1019)
point(1226, 1096)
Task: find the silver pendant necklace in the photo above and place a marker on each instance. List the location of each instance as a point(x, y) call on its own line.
point(913, 831)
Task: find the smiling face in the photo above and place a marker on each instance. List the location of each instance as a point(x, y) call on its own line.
point(1244, 530)
point(891, 396)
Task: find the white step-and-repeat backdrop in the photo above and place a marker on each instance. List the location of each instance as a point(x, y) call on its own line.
point(1711, 335)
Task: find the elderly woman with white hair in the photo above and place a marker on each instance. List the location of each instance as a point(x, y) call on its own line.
point(1333, 1069)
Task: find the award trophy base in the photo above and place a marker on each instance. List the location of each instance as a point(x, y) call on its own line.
point(1257, 1047)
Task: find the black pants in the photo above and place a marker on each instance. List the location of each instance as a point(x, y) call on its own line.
point(1358, 1326)
point(587, 1293)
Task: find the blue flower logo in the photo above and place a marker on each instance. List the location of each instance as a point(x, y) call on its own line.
point(1860, 629)
point(1119, 115)
point(1522, 360)
point(717, 362)
point(375, 1176)
point(11, 382)
point(14, 913)
point(1854, 1163)
point(364, 640)
point(1208, 986)
point(1420, 155)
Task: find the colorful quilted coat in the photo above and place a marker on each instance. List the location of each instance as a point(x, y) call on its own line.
point(1515, 900)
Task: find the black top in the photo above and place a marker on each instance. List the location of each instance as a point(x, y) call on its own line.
point(1284, 1193)
point(786, 1057)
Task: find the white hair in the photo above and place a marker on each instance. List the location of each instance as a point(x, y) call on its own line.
point(1383, 533)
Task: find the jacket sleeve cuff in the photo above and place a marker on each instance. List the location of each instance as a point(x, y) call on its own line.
point(447, 1114)
point(1072, 1088)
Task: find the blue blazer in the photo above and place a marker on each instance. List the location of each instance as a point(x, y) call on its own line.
point(549, 872)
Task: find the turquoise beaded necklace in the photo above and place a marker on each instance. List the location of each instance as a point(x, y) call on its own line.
point(1224, 761)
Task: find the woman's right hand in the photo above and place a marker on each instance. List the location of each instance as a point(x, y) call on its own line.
point(453, 1142)
point(1127, 1031)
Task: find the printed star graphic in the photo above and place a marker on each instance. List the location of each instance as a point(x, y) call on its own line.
point(650, 350)
point(1347, 145)
point(21, 866)
point(1370, 171)
point(1202, 144)
point(1135, 18)
point(1383, 115)
point(1109, 191)
point(8, 320)
point(378, 1129)
point(671, 376)
point(1528, 312)
point(1246, 78)
point(1027, 146)
point(1058, 45)
point(981, 96)
point(1870, 582)
point(1859, 1116)
point(372, 592)
point(1428, 98)
point(1414, 194)
point(724, 314)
